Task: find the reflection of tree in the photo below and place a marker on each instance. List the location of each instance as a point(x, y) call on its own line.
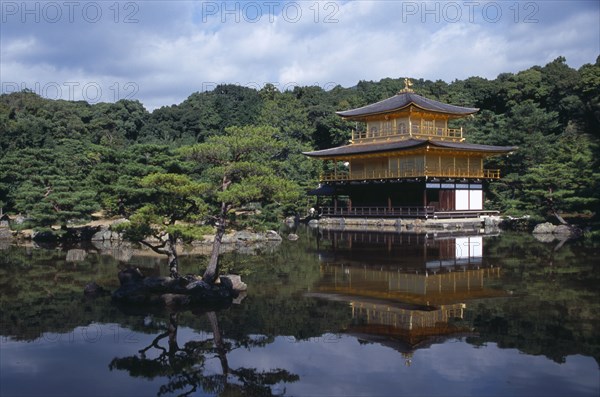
point(185, 367)
point(556, 314)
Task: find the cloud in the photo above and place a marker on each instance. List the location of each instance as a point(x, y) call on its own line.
point(169, 50)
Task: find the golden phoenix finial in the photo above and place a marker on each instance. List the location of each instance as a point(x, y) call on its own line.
point(407, 85)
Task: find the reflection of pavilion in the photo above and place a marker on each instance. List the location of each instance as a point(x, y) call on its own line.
point(408, 287)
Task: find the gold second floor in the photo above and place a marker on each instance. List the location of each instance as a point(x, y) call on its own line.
point(414, 165)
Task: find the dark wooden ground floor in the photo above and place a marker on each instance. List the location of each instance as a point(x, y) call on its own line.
point(408, 198)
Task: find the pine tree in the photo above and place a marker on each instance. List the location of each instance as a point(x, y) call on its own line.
point(239, 168)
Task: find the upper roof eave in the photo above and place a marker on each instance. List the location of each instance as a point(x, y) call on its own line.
point(380, 147)
point(403, 100)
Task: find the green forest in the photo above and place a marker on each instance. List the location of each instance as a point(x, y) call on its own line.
point(62, 161)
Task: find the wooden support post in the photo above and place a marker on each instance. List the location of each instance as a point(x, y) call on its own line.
point(468, 165)
point(454, 166)
point(481, 167)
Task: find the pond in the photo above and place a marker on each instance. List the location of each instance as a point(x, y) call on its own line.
point(332, 314)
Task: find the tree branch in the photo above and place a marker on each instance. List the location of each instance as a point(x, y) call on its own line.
point(158, 249)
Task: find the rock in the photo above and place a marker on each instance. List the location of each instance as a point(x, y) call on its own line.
point(20, 219)
point(313, 223)
point(236, 282)
point(93, 289)
point(130, 276)
point(158, 284)
point(228, 239)
point(81, 233)
point(244, 235)
point(196, 284)
point(122, 253)
point(5, 233)
point(292, 237)
point(272, 235)
point(43, 236)
point(290, 220)
point(563, 230)
point(560, 232)
point(239, 298)
point(99, 236)
point(544, 228)
point(544, 238)
point(106, 235)
point(26, 234)
point(175, 299)
point(186, 290)
point(76, 255)
point(491, 221)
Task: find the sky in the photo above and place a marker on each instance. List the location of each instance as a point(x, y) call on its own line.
point(160, 52)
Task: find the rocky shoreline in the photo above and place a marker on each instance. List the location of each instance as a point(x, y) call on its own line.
point(547, 232)
point(101, 238)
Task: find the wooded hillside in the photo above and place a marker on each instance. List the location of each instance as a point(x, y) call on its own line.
point(61, 161)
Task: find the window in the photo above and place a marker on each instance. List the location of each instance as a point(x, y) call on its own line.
point(469, 200)
point(387, 128)
point(428, 127)
point(402, 127)
point(394, 166)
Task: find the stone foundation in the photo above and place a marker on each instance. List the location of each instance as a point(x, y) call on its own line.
point(481, 224)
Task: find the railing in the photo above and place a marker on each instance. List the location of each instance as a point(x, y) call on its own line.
point(404, 212)
point(462, 173)
point(409, 319)
point(379, 174)
point(415, 131)
point(407, 212)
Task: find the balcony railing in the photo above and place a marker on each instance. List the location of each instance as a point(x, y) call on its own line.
point(415, 131)
point(380, 174)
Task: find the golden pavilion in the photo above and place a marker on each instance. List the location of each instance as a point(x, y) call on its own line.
point(405, 160)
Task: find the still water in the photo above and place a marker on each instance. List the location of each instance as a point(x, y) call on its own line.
point(333, 314)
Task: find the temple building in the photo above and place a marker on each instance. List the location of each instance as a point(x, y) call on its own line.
point(404, 160)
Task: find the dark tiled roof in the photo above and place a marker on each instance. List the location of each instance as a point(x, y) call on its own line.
point(403, 100)
point(366, 148)
point(475, 147)
point(405, 145)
